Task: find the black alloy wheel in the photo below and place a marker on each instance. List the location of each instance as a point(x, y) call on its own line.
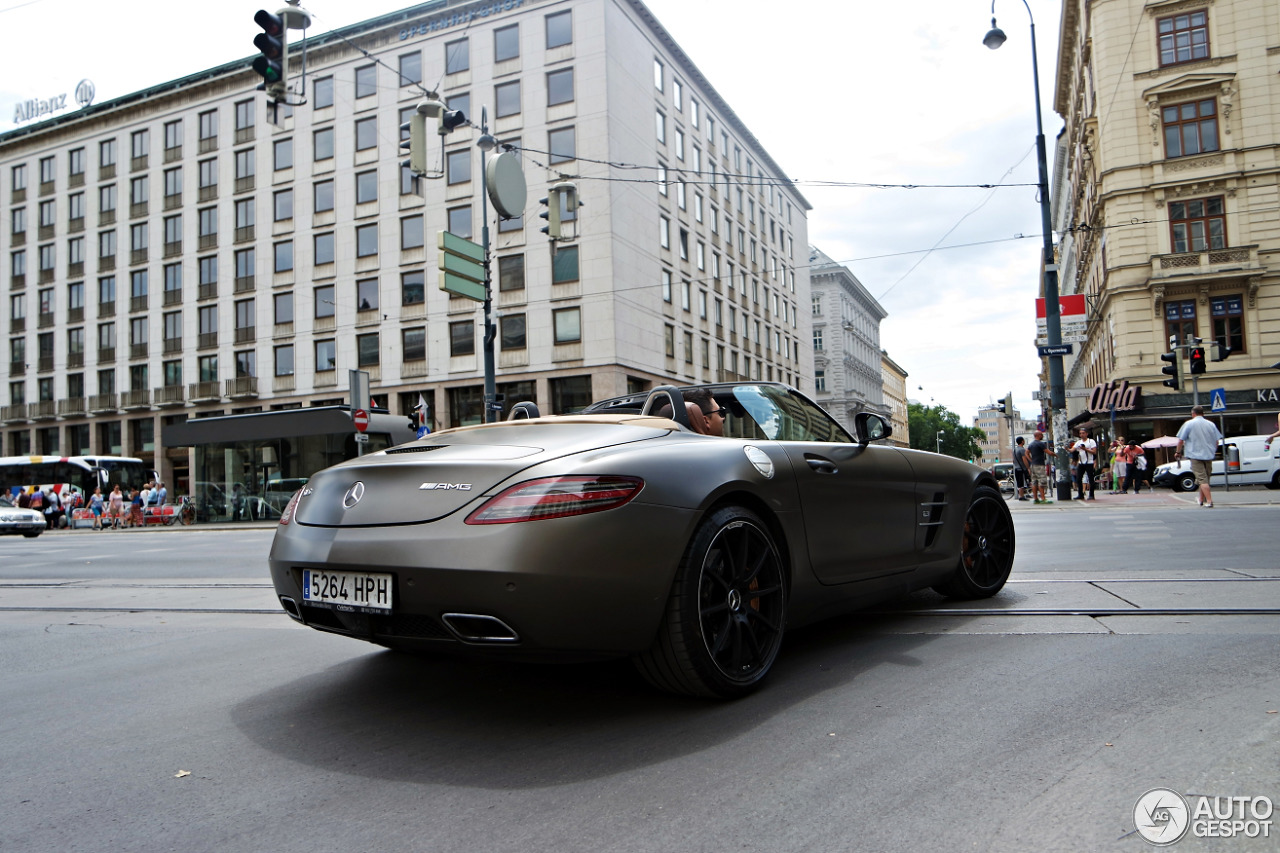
point(986, 548)
point(726, 614)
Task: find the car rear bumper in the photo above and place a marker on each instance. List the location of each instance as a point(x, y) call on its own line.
point(585, 586)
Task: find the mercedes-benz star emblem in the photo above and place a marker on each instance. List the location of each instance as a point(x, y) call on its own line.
point(353, 495)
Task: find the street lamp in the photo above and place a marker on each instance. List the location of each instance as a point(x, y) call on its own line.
point(940, 432)
point(1052, 311)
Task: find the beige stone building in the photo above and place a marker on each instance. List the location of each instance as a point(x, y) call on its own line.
point(894, 390)
point(1167, 206)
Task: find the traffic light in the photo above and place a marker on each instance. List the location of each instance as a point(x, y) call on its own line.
point(1196, 358)
point(1173, 370)
point(552, 212)
point(1008, 404)
point(416, 144)
point(1224, 351)
point(273, 42)
point(449, 119)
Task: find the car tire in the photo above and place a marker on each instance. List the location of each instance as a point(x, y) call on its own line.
point(726, 613)
point(1186, 482)
point(986, 548)
point(32, 534)
point(1275, 482)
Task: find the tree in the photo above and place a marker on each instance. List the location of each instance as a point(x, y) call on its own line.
point(928, 424)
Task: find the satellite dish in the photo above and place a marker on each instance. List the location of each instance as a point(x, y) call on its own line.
point(506, 184)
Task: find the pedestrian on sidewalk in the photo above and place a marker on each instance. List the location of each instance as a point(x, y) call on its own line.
point(1086, 452)
point(96, 507)
point(1137, 467)
point(1021, 477)
point(1200, 437)
point(1038, 468)
point(115, 507)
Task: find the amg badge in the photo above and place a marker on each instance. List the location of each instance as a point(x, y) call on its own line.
point(461, 487)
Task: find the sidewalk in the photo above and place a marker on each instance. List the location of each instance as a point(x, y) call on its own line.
point(1149, 498)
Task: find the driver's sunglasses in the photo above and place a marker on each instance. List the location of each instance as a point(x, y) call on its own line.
point(719, 410)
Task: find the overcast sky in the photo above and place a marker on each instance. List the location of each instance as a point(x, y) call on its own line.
point(848, 91)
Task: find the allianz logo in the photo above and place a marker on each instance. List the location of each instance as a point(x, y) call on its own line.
point(461, 487)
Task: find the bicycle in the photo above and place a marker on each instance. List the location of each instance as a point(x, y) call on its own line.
point(186, 511)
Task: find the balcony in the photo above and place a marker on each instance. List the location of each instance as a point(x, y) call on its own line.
point(208, 291)
point(75, 269)
point(140, 399)
point(173, 296)
point(138, 303)
point(18, 324)
point(170, 395)
point(173, 201)
point(245, 184)
point(137, 350)
point(208, 143)
point(75, 359)
point(44, 363)
point(208, 193)
point(75, 225)
point(244, 234)
point(138, 209)
point(203, 392)
point(207, 340)
point(246, 334)
point(71, 407)
point(173, 155)
point(106, 309)
point(106, 355)
point(242, 388)
point(173, 249)
point(42, 411)
point(1233, 262)
point(137, 256)
point(18, 282)
point(208, 241)
point(103, 403)
point(107, 217)
point(45, 321)
point(13, 413)
point(137, 164)
point(244, 283)
point(107, 263)
point(47, 232)
point(172, 345)
point(107, 172)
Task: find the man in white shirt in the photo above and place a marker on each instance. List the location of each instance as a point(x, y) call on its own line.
point(1200, 437)
point(1086, 451)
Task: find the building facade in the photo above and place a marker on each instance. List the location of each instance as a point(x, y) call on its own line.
point(894, 391)
point(846, 341)
point(173, 254)
point(1167, 198)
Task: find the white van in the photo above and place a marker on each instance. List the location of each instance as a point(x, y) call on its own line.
point(1255, 466)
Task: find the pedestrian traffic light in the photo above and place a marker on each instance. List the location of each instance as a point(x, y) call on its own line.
point(1224, 351)
point(1008, 404)
point(1173, 370)
point(416, 144)
point(1196, 357)
point(449, 119)
point(272, 42)
point(552, 212)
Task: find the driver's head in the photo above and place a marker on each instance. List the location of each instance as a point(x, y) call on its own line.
point(709, 412)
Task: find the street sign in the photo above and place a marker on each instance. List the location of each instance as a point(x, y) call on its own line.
point(362, 438)
point(462, 267)
point(1061, 349)
point(361, 419)
point(1218, 396)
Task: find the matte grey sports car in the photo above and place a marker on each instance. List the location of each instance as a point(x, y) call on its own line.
point(621, 532)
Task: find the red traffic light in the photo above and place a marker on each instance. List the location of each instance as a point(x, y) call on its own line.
point(1197, 360)
point(271, 24)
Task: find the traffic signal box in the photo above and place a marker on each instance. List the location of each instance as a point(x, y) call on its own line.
point(1196, 358)
point(1173, 370)
point(272, 42)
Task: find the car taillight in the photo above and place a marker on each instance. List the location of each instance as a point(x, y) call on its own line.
point(287, 515)
point(556, 497)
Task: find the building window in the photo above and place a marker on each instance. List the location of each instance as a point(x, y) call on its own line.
point(244, 115)
point(366, 187)
point(568, 325)
point(366, 133)
point(669, 340)
point(366, 240)
point(1180, 320)
point(282, 154)
point(560, 144)
point(246, 164)
point(284, 256)
point(413, 344)
point(412, 288)
point(506, 43)
point(559, 29)
point(367, 350)
point(283, 205)
point(1227, 315)
point(1190, 128)
point(366, 81)
point(457, 56)
point(666, 286)
point(511, 272)
point(817, 340)
point(1183, 38)
point(323, 92)
point(559, 87)
point(283, 308)
point(462, 338)
point(659, 71)
point(564, 264)
point(458, 167)
point(460, 222)
point(1198, 224)
point(507, 99)
point(820, 381)
point(324, 301)
point(326, 355)
point(410, 68)
point(512, 332)
point(660, 127)
point(284, 360)
point(323, 144)
point(323, 196)
point(367, 294)
point(412, 233)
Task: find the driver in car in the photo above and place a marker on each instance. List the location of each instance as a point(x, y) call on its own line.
point(706, 417)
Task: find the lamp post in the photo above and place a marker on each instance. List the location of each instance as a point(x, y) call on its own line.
point(1052, 311)
point(940, 432)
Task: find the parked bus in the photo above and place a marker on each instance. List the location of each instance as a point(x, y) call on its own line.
point(84, 473)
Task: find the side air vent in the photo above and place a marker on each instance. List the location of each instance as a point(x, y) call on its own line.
point(932, 516)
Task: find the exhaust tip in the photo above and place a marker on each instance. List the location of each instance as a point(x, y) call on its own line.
point(479, 628)
point(291, 607)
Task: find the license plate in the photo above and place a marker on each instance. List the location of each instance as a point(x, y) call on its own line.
point(360, 592)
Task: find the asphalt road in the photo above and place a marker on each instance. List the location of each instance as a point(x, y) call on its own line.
point(154, 700)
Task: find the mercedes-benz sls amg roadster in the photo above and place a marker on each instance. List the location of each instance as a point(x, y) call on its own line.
point(622, 532)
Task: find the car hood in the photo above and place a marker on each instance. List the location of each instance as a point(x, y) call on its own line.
point(436, 476)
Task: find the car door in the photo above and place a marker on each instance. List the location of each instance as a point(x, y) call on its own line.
point(858, 503)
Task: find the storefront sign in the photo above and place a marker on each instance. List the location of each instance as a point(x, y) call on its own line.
point(41, 107)
point(1124, 397)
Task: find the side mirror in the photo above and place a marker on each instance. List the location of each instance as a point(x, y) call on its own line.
point(868, 427)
